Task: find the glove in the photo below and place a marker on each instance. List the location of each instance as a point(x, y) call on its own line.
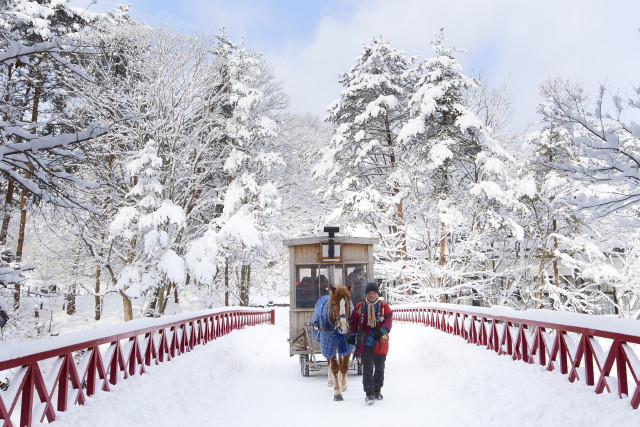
point(379, 333)
point(351, 339)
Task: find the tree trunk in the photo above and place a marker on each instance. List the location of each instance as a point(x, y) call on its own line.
point(70, 299)
point(403, 236)
point(442, 236)
point(126, 301)
point(556, 275)
point(245, 279)
point(23, 197)
point(8, 200)
point(163, 296)
point(23, 221)
point(402, 255)
point(128, 308)
point(226, 282)
point(541, 285)
point(151, 311)
point(165, 300)
point(98, 305)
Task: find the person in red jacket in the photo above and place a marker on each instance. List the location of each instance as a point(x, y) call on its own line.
point(370, 325)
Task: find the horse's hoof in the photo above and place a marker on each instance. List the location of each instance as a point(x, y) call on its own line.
point(330, 384)
point(338, 397)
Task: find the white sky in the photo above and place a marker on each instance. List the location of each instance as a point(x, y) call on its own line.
point(523, 42)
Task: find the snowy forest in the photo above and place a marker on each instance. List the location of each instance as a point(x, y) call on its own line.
point(164, 170)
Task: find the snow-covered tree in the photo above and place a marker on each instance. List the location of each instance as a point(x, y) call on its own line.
point(247, 132)
point(365, 161)
point(605, 145)
point(40, 46)
point(459, 197)
point(558, 265)
point(596, 151)
point(150, 225)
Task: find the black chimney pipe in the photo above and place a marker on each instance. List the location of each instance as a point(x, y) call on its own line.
point(331, 231)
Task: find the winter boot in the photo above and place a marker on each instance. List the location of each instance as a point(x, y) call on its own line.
point(370, 398)
point(376, 393)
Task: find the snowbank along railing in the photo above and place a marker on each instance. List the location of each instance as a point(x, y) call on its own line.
point(574, 343)
point(63, 371)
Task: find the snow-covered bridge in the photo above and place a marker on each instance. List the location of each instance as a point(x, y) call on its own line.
point(247, 378)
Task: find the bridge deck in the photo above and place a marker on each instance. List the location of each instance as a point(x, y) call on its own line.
point(247, 378)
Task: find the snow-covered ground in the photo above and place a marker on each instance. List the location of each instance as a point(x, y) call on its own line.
point(247, 379)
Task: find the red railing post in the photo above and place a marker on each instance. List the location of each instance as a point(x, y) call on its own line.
point(494, 340)
point(540, 346)
point(482, 337)
point(560, 352)
point(27, 398)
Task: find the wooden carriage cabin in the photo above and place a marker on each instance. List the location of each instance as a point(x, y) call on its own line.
point(314, 264)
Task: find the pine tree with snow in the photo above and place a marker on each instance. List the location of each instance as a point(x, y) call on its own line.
point(249, 198)
point(149, 226)
point(365, 162)
point(459, 198)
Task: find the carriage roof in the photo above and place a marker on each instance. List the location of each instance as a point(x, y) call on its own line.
point(325, 239)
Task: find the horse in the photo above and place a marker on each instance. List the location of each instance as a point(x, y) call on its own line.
point(335, 313)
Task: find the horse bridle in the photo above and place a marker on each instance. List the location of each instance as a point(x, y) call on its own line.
point(337, 318)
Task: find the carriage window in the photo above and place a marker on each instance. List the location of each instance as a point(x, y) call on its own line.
point(333, 273)
point(357, 275)
point(312, 282)
point(353, 271)
point(306, 292)
point(336, 251)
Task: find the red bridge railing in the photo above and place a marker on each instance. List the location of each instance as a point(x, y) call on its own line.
point(53, 373)
point(594, 349)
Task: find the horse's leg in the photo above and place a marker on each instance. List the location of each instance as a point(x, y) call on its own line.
point(329, 373)
point(339, 373)
point(344, 368)
point(335, 369)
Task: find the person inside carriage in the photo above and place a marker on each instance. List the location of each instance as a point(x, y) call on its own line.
point(356, 277)
point(306, 293)
point(322, 285)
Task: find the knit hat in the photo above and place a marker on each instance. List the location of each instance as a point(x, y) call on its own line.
point(372, 286)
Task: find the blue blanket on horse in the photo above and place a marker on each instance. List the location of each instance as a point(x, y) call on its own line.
point(330, 340)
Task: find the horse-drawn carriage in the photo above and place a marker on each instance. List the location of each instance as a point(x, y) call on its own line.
point(315, 263)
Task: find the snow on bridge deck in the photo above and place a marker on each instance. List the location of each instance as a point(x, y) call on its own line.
point(247, 379)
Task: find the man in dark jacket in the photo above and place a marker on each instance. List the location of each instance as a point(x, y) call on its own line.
point(359, 285)
point(370, 323)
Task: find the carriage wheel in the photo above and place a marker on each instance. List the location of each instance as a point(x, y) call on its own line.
point(304, 365)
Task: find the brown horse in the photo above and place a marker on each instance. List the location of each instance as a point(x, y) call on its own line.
point(339, 315)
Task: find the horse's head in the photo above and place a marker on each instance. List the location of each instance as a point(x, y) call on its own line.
point(339, 306)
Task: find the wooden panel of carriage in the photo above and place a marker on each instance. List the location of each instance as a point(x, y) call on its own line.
point(311, 270)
